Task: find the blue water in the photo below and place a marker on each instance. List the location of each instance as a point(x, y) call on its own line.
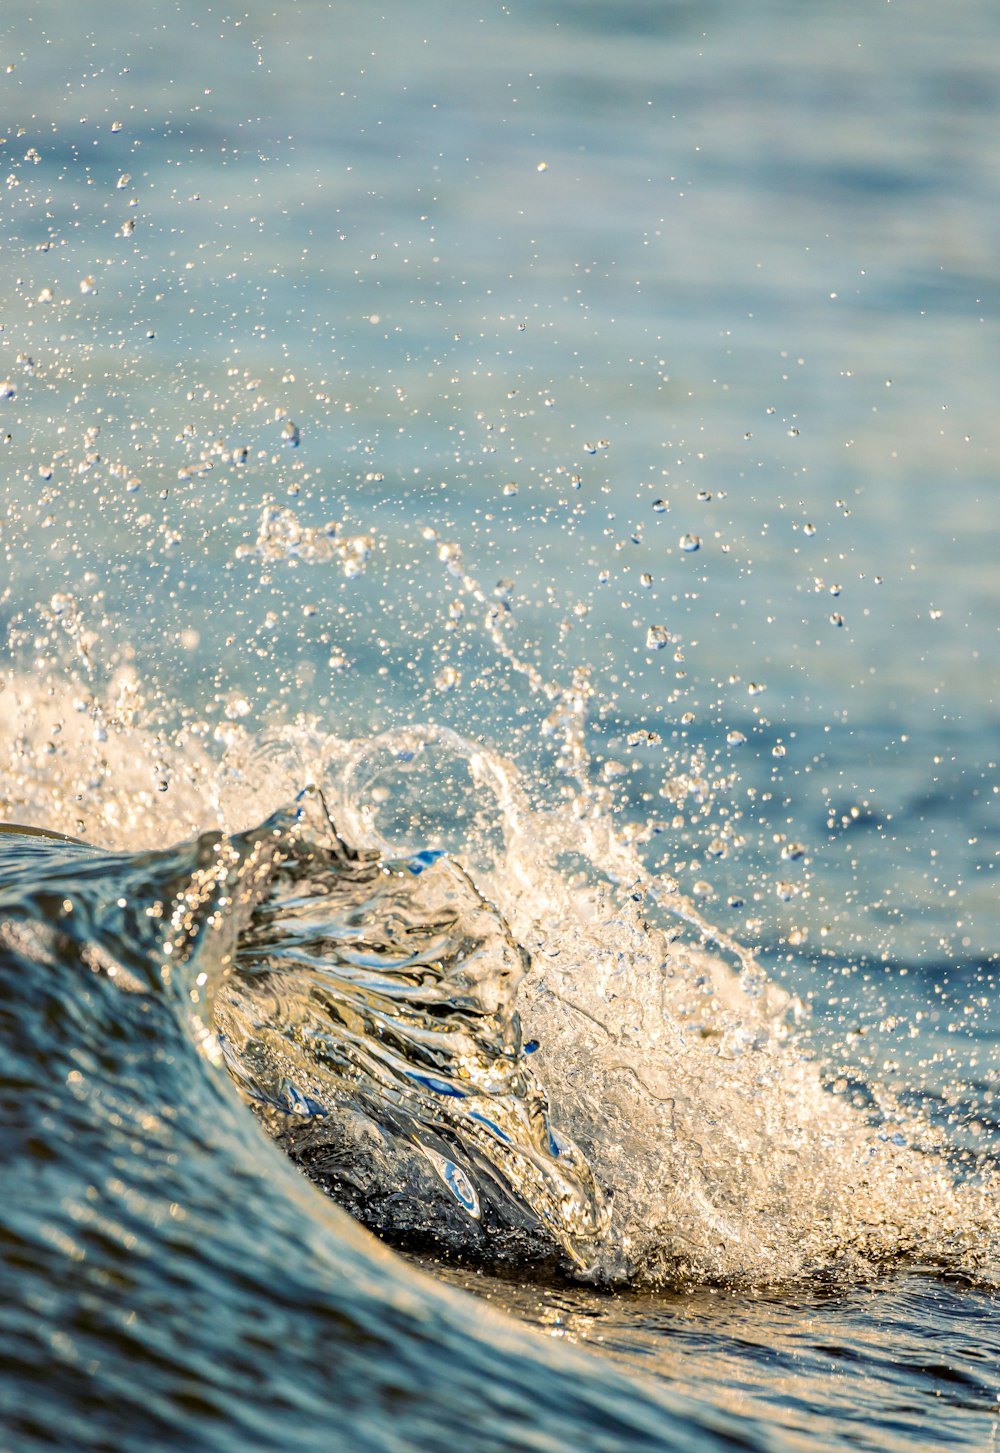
point(642, 362)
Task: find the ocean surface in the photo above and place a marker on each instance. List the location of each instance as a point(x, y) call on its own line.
point(498, 887)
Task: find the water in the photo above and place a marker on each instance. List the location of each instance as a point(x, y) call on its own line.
point(501, 614)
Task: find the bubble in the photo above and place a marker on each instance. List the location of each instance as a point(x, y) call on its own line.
point(808, 529)
point(510, 489)
point(659, 505)
point(46, 295)
point(447, 679)
point(290, 434)
point(646, 580)
point(7, 389)
point(791, 852)
point(123, 181)
point(779, 750)
point(657, 637)
point(735, 738)
point(836, 619)
point(690, 543)
point(612, 770)
point(504, 589)
point(704, 495)
point(755, 688)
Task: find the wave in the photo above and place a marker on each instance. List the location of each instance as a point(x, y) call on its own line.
point(467, 1016)
point(473, 1017)
point(169, 1279)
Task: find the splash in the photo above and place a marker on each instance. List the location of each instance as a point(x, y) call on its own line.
point(473, 1017)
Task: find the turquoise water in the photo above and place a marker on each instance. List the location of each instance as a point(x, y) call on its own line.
point(611, 389)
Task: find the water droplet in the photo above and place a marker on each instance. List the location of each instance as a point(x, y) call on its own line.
point(646, 580)
point(735, 738)
point(836, 619)
point(643, 739)
point(755, 688)
point(808, 529)
point(447, 679)
point(451, 555)
point(7, 389)
point(659, 505)
point(657, 637)
point(123, 181)
point(510, 488)
point(791, 852)
point(690, 543)
point(290, 434)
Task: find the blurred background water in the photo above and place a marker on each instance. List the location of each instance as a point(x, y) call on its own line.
point(668, 332)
